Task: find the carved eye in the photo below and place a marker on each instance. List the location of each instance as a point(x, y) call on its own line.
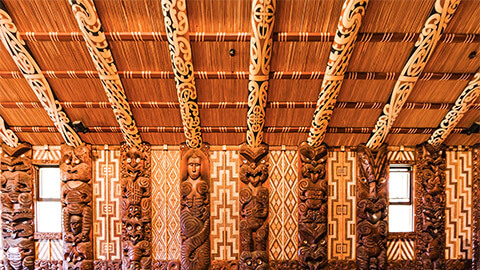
point(5, 155)
point(77, 161)
point(364, 180)
point(259, 261)
point(23, 155)
point(249, 262)
point(139, 228)
point(382, 180)
point(138, 160)
point(67, 161)
point(129, 227)
point(129, 160)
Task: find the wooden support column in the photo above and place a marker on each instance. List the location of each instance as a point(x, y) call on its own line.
point(17, 207)
point(77, 193)
point(372, 205)
point(135, 206)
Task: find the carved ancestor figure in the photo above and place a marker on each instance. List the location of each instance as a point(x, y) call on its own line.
point(312, 207)
point(17, 216)
point(136, 206)
point(253, 207)
point(372, 194)
point(430, 208)
point(76, 174)
point(195, 208)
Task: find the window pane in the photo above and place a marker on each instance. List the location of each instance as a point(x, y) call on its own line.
point(400, 218)
point(49, 185)
point(399, 185)
point(49, 217)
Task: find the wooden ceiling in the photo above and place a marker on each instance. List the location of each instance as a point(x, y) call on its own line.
point(387, 36)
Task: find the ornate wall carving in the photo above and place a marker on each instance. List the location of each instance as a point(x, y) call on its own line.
point(430, 206)
point(17, 215)
point(195, 208)
point(372, 195)
point(225, 265)
point(48, 265)
point(107, 265)
point(313, 209)
point(76, 198)
point(254, 198)
point(166, 265)
point(136, 206)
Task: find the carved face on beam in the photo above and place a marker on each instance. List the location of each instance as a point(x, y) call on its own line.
point(256, 260)
point(254, 173)
point(135, 161)
point(75, 163)
point(193, 167)
point(17, 186)
point(135, 230)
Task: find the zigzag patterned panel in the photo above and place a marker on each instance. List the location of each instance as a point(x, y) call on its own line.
point(401, 156)
point(283, 223)
point(165, 205)
point(106, 193)
point(42, 249)
point(341, 205)
point(56, 250)
point(47, 156)
point(401, 249)
point(224, 205)
point(458, 210)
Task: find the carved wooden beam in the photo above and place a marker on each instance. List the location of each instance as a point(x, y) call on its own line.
point(463, 103)
point(433, 28)
point(476, 207)
point(261, 46)
point(340, 53)
point(17, 207)
point(372, 203)
point(136, 206)
point(91, 27)
point(176, 24)
point(7, 135)
point(32, 73)
point(195, 207)
point(77, 193)
point(430, 206)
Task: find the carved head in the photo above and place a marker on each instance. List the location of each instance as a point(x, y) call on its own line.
point(373, 168)
point(256, 260)
point(20, 253)
point(193, 167)
point(76, 163)
point(76, 224)
point(16, 183)
point(135, 160)
point(313, 161)
point(253, 173)
point(16, 158)
point(134, 230)
point(194, 164)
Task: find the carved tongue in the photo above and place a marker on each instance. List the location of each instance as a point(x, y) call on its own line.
point(374, 217)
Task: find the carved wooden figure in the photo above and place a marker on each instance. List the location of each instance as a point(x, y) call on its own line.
point(136, 206)
point(17, 215)
point(312, 207)
point(430, 206)
point(76, 174)
point(372, 196)
point(253, 207)
point(195, 208)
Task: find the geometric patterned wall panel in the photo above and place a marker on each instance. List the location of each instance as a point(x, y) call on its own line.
point(342, 173)
point(166, 205)
point(401, 156)
point(401, 249)
point(224, 203)
point(458, 209)
point(46, 155)
point(283, 216)
point(106, 196)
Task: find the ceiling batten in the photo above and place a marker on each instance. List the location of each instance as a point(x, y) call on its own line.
point(176, 25)
point(441, 14)
point(87, 18)
point(340, 53)
point(8, 136)
point(30, 69)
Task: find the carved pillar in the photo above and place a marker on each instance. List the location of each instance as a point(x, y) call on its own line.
point(253, 207)
point(430, 206)
point(17, 215)
point(136, 206)
point(76, 174)
point(372, 202)
point(312, 207)
point(476, 208)
point(195, 208)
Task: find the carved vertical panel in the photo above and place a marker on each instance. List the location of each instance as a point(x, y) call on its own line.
point(136, 206)
point(195, 208)
point(372, 196)
point(430, 206)
point(76, 198)
point(17, 214)
point(476, 208)
point(254, 198)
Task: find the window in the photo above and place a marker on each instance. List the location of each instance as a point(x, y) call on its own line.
point(400, 211)
point(48, 208)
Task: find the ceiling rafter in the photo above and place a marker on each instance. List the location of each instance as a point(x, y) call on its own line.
point(261, 46)
point(30, 69)
point(340, 53)
point(87, 18)
point(176, 25)
point(441, 14)
point(7, 135)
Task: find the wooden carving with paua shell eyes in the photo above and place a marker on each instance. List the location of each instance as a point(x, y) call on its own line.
point(312, 207)
point(254, 199)
point(17, 215)
point(372, 195)
point(136, 206)
point(76, 174)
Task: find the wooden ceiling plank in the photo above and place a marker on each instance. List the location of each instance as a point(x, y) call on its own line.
point(341, 51)
point(35, 78)
point(441, 14)
point(176, 25)
point(7, 135)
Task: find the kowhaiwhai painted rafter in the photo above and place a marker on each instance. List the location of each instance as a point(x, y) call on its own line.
point(7, 135)
point(97, 44)
point(342, 48)
point(176, 25)
point(35, 78)
point(433, 28)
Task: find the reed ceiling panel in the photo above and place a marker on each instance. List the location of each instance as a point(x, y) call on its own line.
point(41, 138)
point(157, 117)
point(419, 118)
point(222, 90)
point(466, 19)
point(354, 117)
point(164, 138)
point(141, 55)
point(300, 56)
point(16, 90)
point(462, 139)
point(289, 117)
point(214, 56)
point(224, 117)
point(78, 89)
point(26, 117)
point(344, 139)
point(61, 56)
point(437, 91)
point(366, 90)
point(103, 138)
point(223, 138)
point(7, 63)
point(219, 15)
point(469, 118)
point(284, 138)
point(294, 90)
point(406, 139)
point(380, 56)
point(150, 90)
point(458, 60)
point(96, 117)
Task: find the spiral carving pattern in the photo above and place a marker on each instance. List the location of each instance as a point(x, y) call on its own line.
point(7, 135)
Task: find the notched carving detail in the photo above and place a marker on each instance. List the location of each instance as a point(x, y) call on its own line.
point(225, 265)
point(107, 265)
